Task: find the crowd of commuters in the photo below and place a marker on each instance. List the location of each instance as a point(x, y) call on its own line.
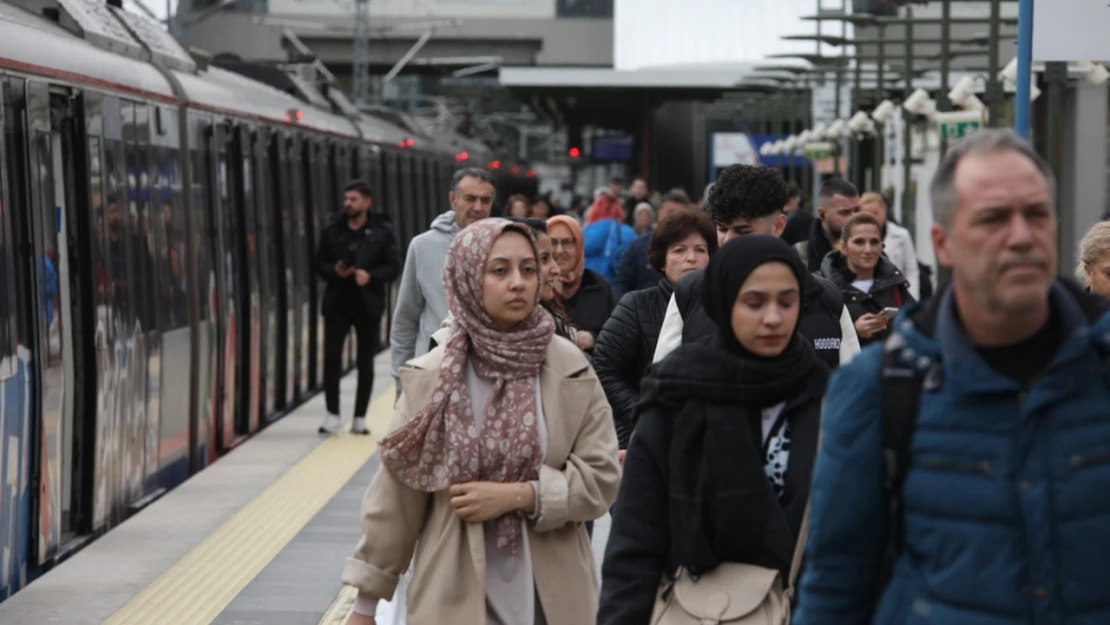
point(778, 411)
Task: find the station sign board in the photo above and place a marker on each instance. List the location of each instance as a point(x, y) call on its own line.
point(958, 124)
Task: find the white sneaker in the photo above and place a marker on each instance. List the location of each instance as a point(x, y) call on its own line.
point(358, 426)
point(330, 425)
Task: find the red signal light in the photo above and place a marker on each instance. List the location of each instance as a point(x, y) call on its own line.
point(461, 156)
point(515, 170)
point(531, 173)
point(495, 165)
point(574, 152)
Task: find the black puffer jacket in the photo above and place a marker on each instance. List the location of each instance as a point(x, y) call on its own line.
point(625, 348)
point(820, 322)
point(891, 290)
point(592, 304)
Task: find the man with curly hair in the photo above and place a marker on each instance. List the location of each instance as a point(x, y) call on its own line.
point(749, 199)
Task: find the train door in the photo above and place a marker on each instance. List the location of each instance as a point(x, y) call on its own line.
point(221, 226)
point(245, 244)
point(145, 427)
point(285, 275)
point(50, 239)
point(324, 207)
point(268, 268)
point(15, 415)
point(169, 464)
point(303, 263)
point(313, 227)
point(205, 296)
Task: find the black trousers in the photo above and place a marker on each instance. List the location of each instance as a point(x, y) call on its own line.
point(337, 326)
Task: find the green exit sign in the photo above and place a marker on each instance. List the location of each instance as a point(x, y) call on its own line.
point(959, 124)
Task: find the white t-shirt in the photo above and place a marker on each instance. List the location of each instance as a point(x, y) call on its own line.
point(864, 285)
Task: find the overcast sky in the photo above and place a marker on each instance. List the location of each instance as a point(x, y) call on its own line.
point(669, 32)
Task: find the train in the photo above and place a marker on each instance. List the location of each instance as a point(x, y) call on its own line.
point(158, 295)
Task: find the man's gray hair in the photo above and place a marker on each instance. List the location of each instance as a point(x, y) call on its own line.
point(942, 191)
point(471, 172)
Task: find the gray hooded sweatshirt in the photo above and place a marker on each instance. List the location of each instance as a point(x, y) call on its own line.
point(421, 301)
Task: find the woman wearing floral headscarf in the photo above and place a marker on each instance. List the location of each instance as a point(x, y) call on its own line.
point(502, 447)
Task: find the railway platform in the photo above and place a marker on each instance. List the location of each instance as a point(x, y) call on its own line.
point(258, 538)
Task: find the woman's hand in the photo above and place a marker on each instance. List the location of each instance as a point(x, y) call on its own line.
point(870, 324)
point(585, 340)
point(476, 502)
point(360, 619)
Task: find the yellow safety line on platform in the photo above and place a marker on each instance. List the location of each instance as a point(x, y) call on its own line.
point(199, 586)
point(341, 608)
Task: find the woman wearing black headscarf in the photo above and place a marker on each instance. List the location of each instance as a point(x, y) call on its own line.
point(718, 469)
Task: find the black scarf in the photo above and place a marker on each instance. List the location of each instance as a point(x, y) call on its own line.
point(722, 506)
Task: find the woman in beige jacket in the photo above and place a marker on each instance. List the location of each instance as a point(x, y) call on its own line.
point(501, 447)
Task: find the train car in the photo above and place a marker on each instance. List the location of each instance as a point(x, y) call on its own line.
point(158, 290)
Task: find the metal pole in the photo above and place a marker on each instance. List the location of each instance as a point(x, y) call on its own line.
point(907, 131)
point(994, 86)
point(1056, 75)
point(837, 142)
point(943, 103)
point(807, 170)
point(880, 93)
point(1025, 68)
point(854, 166)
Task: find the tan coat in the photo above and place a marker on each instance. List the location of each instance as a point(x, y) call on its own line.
point(578, 483)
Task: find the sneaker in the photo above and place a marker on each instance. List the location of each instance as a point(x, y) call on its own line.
point(358, 426)
point(330, 425)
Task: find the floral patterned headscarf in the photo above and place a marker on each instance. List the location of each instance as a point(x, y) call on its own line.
point(442, 445)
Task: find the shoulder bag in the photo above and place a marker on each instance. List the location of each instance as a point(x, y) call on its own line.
point(732, 593)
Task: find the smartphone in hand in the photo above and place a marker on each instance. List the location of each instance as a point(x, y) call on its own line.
point(888, 313)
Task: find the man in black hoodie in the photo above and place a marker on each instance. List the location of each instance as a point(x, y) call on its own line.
point(748, 199)
point(358, 257)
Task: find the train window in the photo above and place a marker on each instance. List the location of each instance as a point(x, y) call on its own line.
point(174, 252)
point(48, 256)
point(8, 340)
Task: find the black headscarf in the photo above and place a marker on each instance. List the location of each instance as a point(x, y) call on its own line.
point(722, 506)
point(729, 269)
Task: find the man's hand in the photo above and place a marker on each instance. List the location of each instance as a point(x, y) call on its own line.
point(362, 277)
point(360, 619)
point(585, 340)
point(476, 502)
point(342, 270)
point(870, 324)
point(620, 456)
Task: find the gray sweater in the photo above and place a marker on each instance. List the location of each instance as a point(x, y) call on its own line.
point(421, 301)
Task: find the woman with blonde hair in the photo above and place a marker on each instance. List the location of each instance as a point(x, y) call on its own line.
point(1094, 259)
point(501, 448)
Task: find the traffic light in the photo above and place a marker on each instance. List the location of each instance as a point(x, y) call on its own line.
point(574, 141)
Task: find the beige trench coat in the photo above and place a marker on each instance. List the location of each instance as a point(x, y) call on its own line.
point(578, 483)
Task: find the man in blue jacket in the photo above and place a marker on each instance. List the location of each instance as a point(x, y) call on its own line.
point(1005, 513)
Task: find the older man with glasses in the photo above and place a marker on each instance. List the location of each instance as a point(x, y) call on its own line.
point(421, 302)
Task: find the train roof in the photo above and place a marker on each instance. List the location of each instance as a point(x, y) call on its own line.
point(34, 44)
point(84, 42)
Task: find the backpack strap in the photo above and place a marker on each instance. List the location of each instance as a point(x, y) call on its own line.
point(901, 395)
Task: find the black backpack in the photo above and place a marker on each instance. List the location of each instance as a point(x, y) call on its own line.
point(901, 397)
